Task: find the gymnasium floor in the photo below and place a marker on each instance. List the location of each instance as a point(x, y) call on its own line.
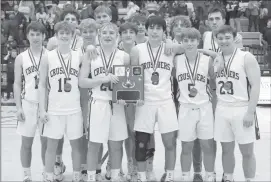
point(11, 166)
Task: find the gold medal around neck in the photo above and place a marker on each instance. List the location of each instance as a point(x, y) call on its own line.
point(155, 78)
point(227, 85)
point(193, 92)
point(67, 87)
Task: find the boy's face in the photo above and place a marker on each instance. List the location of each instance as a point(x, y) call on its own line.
point(128, 36)
point(190, 44)
point(178, 27)
point(64, 37)
point(269, 23)
point(89, 35)
point(108, 36)
point(102, 18)
point(225, 40)
point(141, 27)
point(155, 32)
point(35, 38)
point(71, 18)
point(215, 20)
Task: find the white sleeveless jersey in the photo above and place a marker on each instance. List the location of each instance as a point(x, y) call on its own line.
point(238, 79)
point(30, 76)
point(210, 43)
point(184, 82)
point(63, 102)
point(102, 92)
point(162, 91)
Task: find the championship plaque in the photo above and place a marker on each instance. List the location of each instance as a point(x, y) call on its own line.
point(130, 87)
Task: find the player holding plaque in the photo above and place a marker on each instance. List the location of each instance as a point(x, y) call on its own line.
point(196, 115)
point(107, 120)
point(59, 70)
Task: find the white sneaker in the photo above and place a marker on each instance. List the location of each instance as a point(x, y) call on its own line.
point(169, 177)
point(27, 179)
point(59, 169)
point(185, 178)
point(76, 177)
point(92, 178)
point(99, 177)
point(119, 178)
point(108, 172)
point(141, 178)
point(130, 168)
point(84, 176)
point(209, 178)
point(150, 176)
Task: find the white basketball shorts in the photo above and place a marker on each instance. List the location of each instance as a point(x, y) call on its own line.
point(164, 113)
point(106, 122)
point(58, 125)
point(196, 122)
point(29, 126)
point(229, 125)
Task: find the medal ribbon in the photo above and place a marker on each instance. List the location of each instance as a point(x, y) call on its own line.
point(213, 45)
point(74, 42)
point(107, 65)
point(37, 66)
point(67, 68)
point(193, 74)
point(155, 60)
point(227, 68)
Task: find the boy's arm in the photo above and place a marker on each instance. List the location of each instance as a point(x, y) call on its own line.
point(18, 74)
point(43, 87)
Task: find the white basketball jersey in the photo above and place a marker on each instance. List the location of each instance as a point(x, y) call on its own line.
point(185, 84)
point(103, 92)
point(61, 101)
point(30, 75)
point(237, 78)
point(210, 43)
point(163, 90)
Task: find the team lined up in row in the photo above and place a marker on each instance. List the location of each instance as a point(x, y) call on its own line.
point(58, 91)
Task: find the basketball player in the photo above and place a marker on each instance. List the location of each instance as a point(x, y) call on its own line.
point(238, 87)
point(88, 30)
point(176, 26)
point(158, 98)
point(193, 70)
point(216, 18)
point(59, 70)
point(113, 129)
point(140, 20)
point(70, 16)
point(26, 95)
point(128, 32)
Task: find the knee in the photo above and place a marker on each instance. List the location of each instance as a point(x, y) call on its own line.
point(115, 146)
point(52, 145)
point(27, 143)
point(170, 145)
point(227, 149)
point(141, 141)
point(187, 148)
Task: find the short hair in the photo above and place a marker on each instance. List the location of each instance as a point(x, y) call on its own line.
point(156, 20)
point(88, 23)
point(126, 26)
point(36, 26)
point(226, 29)
point(185, 21)
point(102, 9)
point(138, 18)
point(63, 25)
point(217, 10)
point(69, 11)
point(109, 24)
point(190, 33)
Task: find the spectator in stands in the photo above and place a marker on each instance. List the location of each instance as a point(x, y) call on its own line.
point(14, 27)
point(267, 32)
point(178, 23)
point(253, 6)
point(42, 15)
point(194, 20)
point(132, 8)
point(181, 9)
point(263, 17)
point(234, 11)
point(4, 24)
point(11, 43)
point(87, 12)
point(10, 58)
point(28, 9)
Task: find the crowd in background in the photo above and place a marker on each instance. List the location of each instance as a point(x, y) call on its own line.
point(16, 15)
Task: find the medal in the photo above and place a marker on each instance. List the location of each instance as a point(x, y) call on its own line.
point(67, 71)
point(107, 65)
point(37, 66)
point(193, 75)
point(193, 92)
point(74, 42)
point(227, 84)
point(67, 87)
point(155, 61)
point(155, 78)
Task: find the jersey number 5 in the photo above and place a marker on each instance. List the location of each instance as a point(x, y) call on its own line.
point(222, 92)
point(105, 88)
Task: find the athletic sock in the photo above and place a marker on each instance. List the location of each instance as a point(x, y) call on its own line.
point(228, 176)
point(115, 173)
point(91, 175)
point(170, 175)
point(49, 176)
point(27, 172)
point(142, 176)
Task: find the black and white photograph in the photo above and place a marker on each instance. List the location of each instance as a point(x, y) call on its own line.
point(135, 90)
